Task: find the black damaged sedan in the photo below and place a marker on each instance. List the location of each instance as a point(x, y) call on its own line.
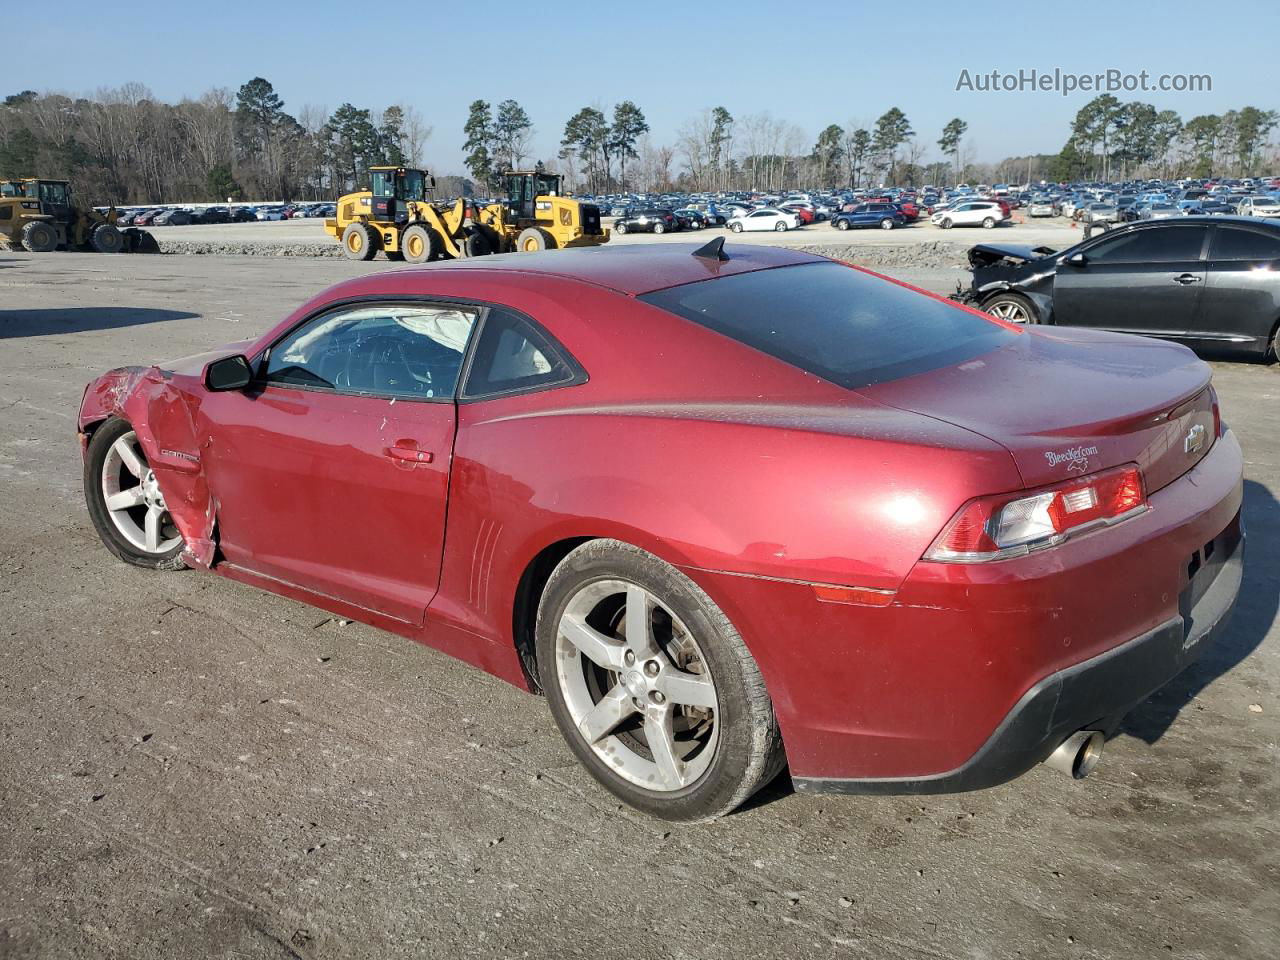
point(1210, 282)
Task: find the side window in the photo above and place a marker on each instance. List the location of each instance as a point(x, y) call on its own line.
point(1159, 245)
point(514, 355)
point(1232, 243)
point(396, 350)
point(762, 213)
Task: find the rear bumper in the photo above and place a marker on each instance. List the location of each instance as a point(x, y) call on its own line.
point(1094, 694)
point(966, 678)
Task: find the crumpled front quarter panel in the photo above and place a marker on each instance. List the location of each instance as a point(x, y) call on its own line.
point(158, 405)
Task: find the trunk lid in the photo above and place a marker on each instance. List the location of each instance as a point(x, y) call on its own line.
point(1067, 402)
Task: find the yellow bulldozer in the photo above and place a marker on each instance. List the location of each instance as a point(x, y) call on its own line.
point(397, 216)
point(41, 215)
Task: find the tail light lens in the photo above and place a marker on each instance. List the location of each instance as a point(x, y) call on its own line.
point(1217, 411)
point(995, 528)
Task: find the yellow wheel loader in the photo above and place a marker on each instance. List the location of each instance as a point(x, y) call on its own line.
point(40, 216)
point(396, 215)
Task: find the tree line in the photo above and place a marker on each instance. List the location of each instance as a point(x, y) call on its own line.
point(122, 145)
point(1112, 140)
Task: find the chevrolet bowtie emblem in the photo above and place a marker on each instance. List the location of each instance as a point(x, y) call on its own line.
point(1194, 439)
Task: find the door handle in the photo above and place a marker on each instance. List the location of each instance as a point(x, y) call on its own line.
point(1186, 278)
point(409, 454)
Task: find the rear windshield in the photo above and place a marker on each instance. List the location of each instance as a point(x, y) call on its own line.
point(838, 323)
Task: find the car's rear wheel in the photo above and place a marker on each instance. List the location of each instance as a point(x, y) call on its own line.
point(988, 223)
point(652, 687)
point(125, 502)
point(780, 226)
point(886, 224)
point(659, 227)
point(1013, 308)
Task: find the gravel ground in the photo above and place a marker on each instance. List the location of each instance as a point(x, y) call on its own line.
point(191, 768)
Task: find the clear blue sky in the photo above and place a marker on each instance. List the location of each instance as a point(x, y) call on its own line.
point(812, 63)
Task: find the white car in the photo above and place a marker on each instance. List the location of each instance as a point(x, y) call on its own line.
point(270, 213)
point(1042, 208)
point(1259, 206)
point(971, 213)
point(766, 218)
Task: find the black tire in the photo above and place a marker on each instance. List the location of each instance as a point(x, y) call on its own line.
point(419, 244)
point(946, 223)
point(735, 226)
point(534, 240)
point(749, 752)
point(659, 227)
point(476, 244)
point(887, 223)
point(39, 236)
point(988, 223)
point(360, 242)
point(780, 226)
point(620, 228)
point(842, 224)
point(106, 239)
point(95, 499)
point(1012, 305)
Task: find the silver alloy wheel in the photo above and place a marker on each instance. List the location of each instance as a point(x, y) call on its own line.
point(637, 685)
point(1009, 310)
point(133, 498)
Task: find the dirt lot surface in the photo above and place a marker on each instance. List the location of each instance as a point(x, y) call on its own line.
point(191, 768)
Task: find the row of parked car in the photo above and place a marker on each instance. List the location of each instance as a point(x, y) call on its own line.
point(237, 213)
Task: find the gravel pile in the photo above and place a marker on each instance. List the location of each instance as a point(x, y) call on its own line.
point(929, 253)
point(223, 249)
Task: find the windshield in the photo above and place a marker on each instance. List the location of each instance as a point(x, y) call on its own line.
point(838, 323)
point(410, 185)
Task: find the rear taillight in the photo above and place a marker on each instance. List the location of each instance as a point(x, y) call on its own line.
point(1217, 411)
point(995, 528)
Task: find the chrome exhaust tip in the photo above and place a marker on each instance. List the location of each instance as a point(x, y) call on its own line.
point(1078, 754)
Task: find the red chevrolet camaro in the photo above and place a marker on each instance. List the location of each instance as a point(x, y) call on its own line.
point(730, 511)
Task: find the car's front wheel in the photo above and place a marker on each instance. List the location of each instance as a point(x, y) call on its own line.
point(125, 502)
point(946, 223)
point(652, 686)
point(735, 227)
point(1012, 307)
point(842, 224)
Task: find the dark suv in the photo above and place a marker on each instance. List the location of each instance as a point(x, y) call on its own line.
point(878, 213)
point(647, 220)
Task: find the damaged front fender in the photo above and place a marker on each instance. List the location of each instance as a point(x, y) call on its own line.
point(160, 411)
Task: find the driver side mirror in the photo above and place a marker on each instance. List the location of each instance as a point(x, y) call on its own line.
point(229, 373)
point(1077, 260)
